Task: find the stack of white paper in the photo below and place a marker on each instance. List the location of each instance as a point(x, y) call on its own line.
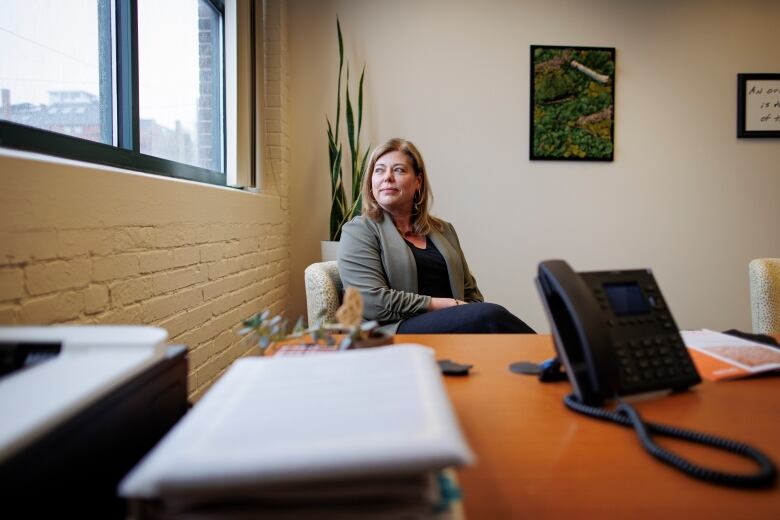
point(350, 432)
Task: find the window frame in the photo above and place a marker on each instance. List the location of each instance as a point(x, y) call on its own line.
point(126, 153)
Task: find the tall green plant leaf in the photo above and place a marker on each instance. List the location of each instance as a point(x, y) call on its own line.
point(358, 168)
point(338, 90)
point(331, 145)
point(350, 119)
point(338, 203)
point(353, 136)
point(360, 102)
point(357, 194)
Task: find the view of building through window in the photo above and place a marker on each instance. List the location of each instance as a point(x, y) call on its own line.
point(56, 73)
point(72, 112)
point(50, 68)
point(180, 81)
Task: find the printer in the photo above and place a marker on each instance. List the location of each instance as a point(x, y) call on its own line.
point(79, 407)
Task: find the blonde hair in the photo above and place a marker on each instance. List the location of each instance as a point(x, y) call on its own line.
point(422, 220)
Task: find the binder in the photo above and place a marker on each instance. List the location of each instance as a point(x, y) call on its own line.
point(324, 432)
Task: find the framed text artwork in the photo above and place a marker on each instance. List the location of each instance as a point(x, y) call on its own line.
point(572, 103)
point(758, 105)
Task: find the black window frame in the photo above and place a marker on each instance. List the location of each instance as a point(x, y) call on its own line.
point(126, 153)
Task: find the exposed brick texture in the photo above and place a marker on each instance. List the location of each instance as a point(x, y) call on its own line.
point(200, 299)
point(198, 281)
point(276, 107)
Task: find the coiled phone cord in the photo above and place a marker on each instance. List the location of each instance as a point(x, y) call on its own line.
point(626, 415)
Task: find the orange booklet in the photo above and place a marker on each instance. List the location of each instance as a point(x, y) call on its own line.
point(720, 356)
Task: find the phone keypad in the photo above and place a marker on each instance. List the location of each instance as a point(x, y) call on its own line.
point(652, 361)
point(649, 352)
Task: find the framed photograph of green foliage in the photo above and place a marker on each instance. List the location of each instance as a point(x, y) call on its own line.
point(572, 103)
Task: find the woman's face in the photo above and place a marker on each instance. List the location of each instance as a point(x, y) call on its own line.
point(394, 183)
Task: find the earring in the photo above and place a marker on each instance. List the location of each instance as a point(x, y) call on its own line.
point(417, 203)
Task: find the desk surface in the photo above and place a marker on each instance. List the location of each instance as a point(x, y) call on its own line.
point(538, 459)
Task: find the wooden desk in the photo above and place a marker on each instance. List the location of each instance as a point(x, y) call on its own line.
point(537, 459)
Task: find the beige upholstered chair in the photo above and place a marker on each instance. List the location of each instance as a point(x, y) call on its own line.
point(323, 292)
point(765, 295)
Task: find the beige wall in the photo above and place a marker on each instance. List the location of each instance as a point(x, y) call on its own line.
point(82, 244)
point(684, 196)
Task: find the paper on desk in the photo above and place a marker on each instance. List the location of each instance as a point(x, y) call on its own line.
point(722, 356)
point(362, 413)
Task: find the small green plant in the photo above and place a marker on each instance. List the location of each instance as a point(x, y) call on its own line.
point(343, 210)
point(273, 329)
point(270, 330)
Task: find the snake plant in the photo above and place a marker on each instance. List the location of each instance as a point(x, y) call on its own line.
point(342, 210)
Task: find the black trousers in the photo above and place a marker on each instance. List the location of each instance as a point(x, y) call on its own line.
point(472, 318)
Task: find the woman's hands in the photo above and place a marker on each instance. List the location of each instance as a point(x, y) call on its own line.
point(443, 303)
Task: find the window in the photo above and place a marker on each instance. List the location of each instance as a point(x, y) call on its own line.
point(50, 63)
point(179, 49)
point(137, 84)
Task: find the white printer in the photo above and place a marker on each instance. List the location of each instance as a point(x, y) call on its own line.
point(79, 406)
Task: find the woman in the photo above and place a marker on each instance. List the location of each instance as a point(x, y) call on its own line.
point(407, 264)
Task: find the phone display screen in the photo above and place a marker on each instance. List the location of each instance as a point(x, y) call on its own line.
point(626, 298)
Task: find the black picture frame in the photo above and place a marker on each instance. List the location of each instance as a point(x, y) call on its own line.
point(572, 110)
point(758, 105)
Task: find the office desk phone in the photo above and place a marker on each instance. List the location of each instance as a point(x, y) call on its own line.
point(616, 337)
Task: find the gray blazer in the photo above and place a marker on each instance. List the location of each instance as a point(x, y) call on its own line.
point(374, 258)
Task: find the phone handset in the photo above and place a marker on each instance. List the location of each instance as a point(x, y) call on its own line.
point(579, 331)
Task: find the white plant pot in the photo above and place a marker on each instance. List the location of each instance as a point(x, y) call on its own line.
point(329, 250)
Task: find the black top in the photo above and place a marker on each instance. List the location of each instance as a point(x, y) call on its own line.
point(432, 276)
